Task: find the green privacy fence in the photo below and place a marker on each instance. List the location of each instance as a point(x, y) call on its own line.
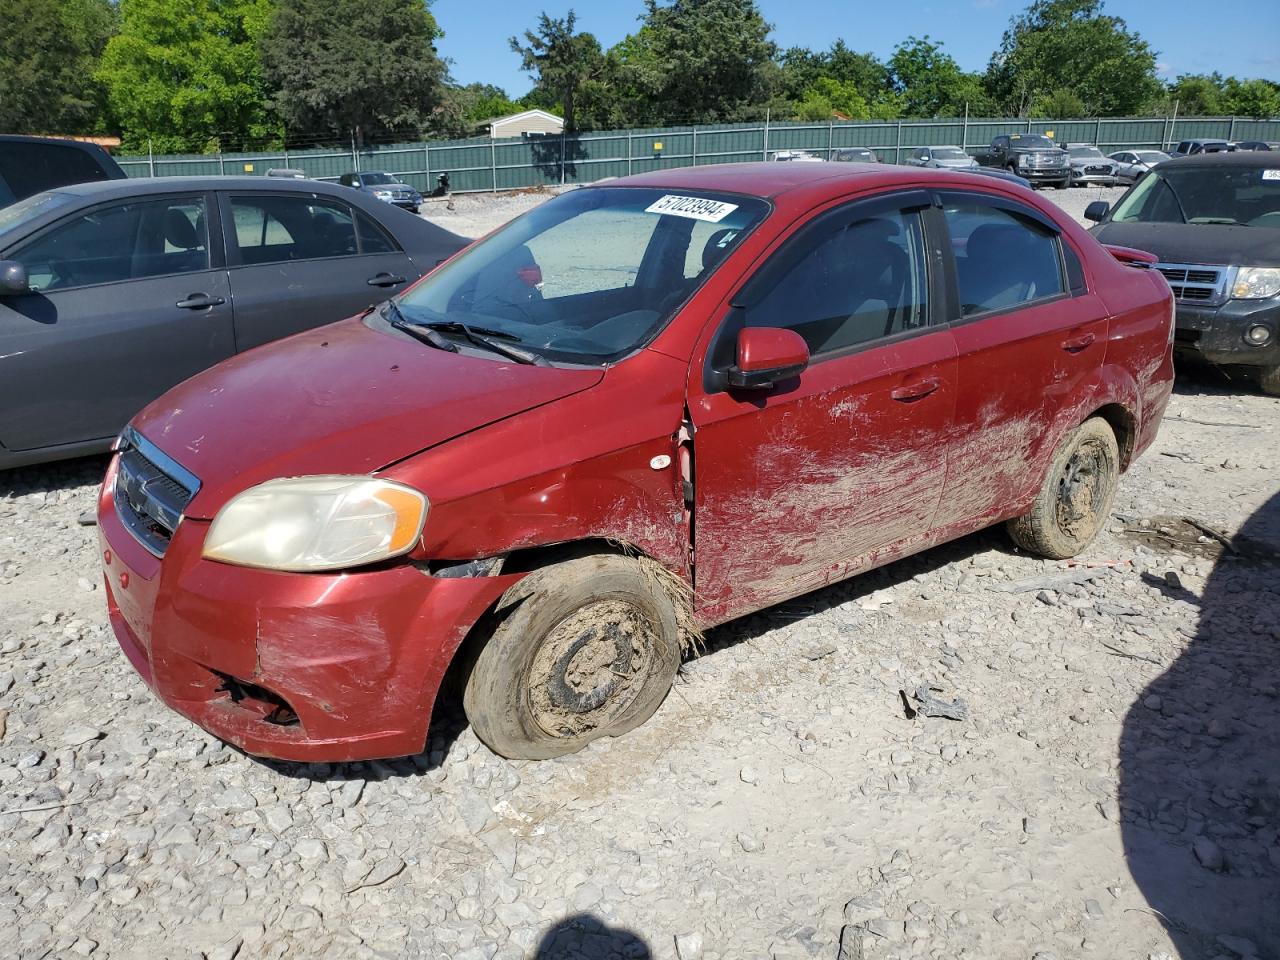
point(482, 164)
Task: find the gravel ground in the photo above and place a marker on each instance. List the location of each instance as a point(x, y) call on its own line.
point(1117, 764)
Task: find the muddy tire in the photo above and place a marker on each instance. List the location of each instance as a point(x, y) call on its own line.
point(1269, 381)
point(1075, 500)
point(582, 649)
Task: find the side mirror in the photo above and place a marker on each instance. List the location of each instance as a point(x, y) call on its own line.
point(1097, 211)
point(13, 278)
point(765, 356)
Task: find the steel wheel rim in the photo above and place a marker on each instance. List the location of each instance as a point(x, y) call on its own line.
point(1082, 490)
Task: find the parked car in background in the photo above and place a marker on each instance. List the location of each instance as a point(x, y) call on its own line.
point(996, 174)
point(1214, 222)
point(1188, 148)
point(854, 155)
point(287, 173)
point(818, 370)
point(384, 186)
point(110, 293)
point(1132, 164)
point(1090, 167)
point(29, 165)
point(796, 156)
point(1032, 157)
point(943, 158)
point(1248, 145)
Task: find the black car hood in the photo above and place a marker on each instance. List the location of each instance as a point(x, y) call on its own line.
point(1210, 243)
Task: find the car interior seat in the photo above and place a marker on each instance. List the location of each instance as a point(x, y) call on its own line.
point(1006, 264)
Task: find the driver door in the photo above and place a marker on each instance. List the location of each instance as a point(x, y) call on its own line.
point(842, 467)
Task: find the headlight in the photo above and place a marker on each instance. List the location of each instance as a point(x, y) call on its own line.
point(382, 194)
point(1256, 283)
point(1023, 159)
point(317, 523)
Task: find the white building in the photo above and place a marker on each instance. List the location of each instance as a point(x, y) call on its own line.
point(527, 122)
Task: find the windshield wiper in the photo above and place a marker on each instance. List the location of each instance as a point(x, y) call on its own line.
point(484, 337)
point(458, 326)
point(391, 313)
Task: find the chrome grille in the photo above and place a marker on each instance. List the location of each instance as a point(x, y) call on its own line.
point(151, 492)
point(1193, 283)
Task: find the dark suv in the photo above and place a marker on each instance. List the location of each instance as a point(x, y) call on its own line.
point(384, 186)
point(1213, 219)
point(29, 165)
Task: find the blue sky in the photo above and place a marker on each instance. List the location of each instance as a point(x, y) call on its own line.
point(1240, 37)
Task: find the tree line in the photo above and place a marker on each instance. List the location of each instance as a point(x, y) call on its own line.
point(207, 75)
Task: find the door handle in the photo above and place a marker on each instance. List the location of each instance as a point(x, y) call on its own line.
point(918, 390)
point(200, 301)
point(1076, 344)
point(384, 280)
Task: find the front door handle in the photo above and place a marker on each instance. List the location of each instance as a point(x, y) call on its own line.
point(200, 301)
point(384, 280)
point(1076, 344)
point(910, 392)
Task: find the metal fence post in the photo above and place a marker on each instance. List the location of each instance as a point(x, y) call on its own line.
point(355, 159)
point(151, 158)
point(1097, 131)
point(695, 146)
point(964, 130)
point(222, 168)
point(493, 162)
point(1231, 130)
point(831, 133)
point(629, 151)
point(897, 148)
point(764, 153)
point(426, 162)
point(562, 159)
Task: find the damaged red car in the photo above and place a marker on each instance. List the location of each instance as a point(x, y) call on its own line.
point(639, 410)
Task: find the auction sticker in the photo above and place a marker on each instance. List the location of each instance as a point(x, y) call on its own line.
point(1266, 175)
point(692, 208)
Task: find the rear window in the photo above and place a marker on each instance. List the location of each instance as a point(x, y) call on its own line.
point(29, 168)
point(1033, 143)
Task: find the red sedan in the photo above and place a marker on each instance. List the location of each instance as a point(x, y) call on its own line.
point(642, 409)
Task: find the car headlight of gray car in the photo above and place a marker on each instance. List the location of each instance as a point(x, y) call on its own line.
point(1256, 283)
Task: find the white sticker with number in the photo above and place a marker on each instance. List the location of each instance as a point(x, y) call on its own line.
point(692, 208)
point(1271, 174)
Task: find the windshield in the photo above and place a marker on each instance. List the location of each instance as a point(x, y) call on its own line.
point(26, 210)
point(1084, 151)
point(1239, 196)
point(378, 179)
point(1033, 143)
point(589, 276)
point(949, 153)
point(1152, 156)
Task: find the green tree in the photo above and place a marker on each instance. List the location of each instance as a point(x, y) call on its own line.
point(50, 51)
point(566, 64)
point(1060, 104)
point(1198, 95)
point(696, 61)
point(1259, 99)
point(183, 74)
point(828, 98)
point(362, 68)
point(930, 83)
point(1072, 45)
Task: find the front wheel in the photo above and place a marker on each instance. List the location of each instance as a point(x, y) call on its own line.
point(1062, 184)
point(1076, 496)
point(582, 649)
point(1269, 380)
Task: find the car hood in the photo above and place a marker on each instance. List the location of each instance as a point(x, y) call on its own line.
point(1209, 243)
point(339, 399)
point(957, 164)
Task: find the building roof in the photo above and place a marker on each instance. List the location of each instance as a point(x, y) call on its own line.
point(513, 117)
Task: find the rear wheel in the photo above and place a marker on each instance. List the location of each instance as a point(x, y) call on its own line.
point(1269, 380)
point(583, 649)
point(1075, 499)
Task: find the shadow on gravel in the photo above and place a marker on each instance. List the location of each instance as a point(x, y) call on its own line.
point(1200, 762)
point(52, 477)
point(586, 936)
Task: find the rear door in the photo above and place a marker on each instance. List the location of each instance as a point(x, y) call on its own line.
point(128, 299)
point(1028, 333)
point(801, 484)
point(298, 261)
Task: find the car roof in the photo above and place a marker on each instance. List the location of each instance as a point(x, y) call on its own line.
point(141, 186)
point(767, 180)
point(1250, 159)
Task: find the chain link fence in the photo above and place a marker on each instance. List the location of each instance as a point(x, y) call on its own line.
point(484, 164)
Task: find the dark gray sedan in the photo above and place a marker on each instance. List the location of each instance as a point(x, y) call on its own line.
point(111, 293)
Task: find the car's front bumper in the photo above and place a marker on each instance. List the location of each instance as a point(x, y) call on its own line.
point(1217, 334)
point(309, 667)
point(1044, 174)
point(1100, 179)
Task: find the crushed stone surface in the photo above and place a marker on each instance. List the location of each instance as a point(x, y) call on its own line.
point(1113, 792)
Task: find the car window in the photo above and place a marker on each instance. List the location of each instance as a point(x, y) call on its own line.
point(274, 229)
point(32, 167)
point(1240, 196)
point(373, 239)
point(124, 241)
point(861, 282)
point(1002, 260)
